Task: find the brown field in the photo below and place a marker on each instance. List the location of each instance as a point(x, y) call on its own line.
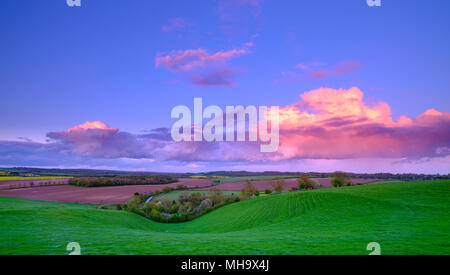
point(267, 184)
point(95, 195)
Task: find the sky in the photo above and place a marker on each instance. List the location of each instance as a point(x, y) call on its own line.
point(360, 89)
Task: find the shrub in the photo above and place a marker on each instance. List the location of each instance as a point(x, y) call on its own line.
point(188, 207)
point(340, 179)
point(174, 209)
point(304, 182)
point(148, 209)
point(166, 205)
point(216, 195)
point(155, 215)
point(205, 204)
point(267, 191)
point(278, 186)
point(248, 190)
point(118, 206)
point(257, 194)
point(196, 198)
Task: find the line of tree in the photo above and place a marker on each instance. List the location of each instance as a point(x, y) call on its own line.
point(341, 179)
point(101, 181)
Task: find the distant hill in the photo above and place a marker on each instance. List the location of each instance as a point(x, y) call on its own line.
point(92, 172)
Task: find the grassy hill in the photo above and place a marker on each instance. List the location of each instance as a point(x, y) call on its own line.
point(405, 218)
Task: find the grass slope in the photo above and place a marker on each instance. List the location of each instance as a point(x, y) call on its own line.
point(257, 178)
point(173, 195)
point(405, 218)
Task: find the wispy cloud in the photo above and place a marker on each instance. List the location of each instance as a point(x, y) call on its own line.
point(176, 24)
point(202, 67)
point(216, 78)
point(320, 71)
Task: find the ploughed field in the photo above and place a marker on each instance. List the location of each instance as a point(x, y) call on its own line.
point(95, 195)
point(403, 217)
point(121, 194)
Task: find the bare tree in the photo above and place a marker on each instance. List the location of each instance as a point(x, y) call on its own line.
point(279, 186)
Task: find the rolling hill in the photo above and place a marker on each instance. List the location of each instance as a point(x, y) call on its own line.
point(404, 217)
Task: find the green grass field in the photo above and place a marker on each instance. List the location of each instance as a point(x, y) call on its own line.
point(405, 218)
point(255, 178)
point(7, 178)
point(173, 195)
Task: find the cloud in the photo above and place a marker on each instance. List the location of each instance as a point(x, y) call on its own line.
point(24, 139)
point(176, 24)
point(96, 139)
point(320, 71)
point(189, 60)
point(326, 125)
point(158, 134)
point(343, 68)
point(202, 67)
point(216, 78)
point(338, 124)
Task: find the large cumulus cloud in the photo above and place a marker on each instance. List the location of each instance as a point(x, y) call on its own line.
point(332, 124)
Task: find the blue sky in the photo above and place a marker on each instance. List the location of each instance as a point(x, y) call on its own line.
point(62, 66)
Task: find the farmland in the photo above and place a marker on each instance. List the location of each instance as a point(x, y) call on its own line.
point(96, 195)
point(120, 194)
point(404, 217)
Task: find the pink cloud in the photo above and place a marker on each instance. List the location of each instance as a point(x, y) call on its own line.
point(344, 68)
point(325, 124)
point(202, 67)
point(329, 123)
point(334, 124)
point(318, 70)
point(189, 60)
point(96, 139)
point(90, 126)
